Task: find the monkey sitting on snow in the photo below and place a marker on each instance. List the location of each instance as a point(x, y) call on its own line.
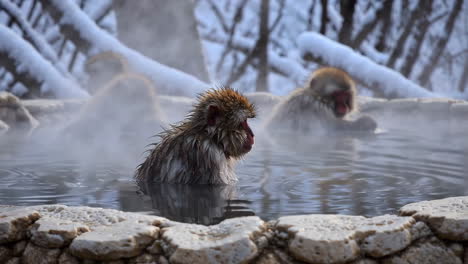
point(204, 147)
point(323, 105)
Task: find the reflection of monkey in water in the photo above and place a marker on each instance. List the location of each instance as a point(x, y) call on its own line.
point(204, 147)
point(197, 203)
point(323, 104)
point(125, 110)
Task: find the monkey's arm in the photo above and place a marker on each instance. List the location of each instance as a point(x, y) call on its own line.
point(364, 123)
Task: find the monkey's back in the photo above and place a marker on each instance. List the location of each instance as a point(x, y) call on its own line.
point(183, 158)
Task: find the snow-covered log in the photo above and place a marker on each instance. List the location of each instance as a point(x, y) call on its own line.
point(80, 29)
point(389, 83)
point(24, 62)
point(30, 34)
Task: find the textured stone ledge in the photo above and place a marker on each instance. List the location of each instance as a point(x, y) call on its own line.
point(424, 232)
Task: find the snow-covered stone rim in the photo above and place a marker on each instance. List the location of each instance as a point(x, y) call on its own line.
point(433, 229)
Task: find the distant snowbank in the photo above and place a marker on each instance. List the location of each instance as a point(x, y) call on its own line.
point(29, 61)
point(168, 80)
point(361, 68)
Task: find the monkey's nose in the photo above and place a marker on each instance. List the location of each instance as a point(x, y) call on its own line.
point(250, 139)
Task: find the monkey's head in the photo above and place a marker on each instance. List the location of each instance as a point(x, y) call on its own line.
point(223, 115)
point(335, 88)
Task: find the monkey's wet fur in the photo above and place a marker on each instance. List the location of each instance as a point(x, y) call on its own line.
point(204, 147)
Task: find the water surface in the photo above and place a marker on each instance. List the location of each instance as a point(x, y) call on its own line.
point(340, 175)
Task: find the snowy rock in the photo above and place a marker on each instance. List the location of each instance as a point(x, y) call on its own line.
point(94, 217)
point(365, 261)
point(54, 233)
point(420, 230)
point(228, 242)
point(39, 255)
point(5, 253)
point(67, 258)
point(339, 238)
point(143, 259)
point(448, 218)
point(268, 258)
point(14, 261)
point(19, 247)
point(457, 249)
point(122, 240)
point(426, 251)
point(155, 248)
point(14, 223)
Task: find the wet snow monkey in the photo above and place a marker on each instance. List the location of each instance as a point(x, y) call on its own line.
point(322, 105)
point(204, 147)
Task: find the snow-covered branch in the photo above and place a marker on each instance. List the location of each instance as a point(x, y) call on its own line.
point(22, 59)
point(390, 83)
point(30, 34)
point(78, 27)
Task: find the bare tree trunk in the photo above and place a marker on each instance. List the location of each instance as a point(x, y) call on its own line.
point(421, 26)
point(262, 73)
point(386, 24)
point(367, 28)
point(324, 17)
point(425, 75)
point(347, 8)
point(398, 50)
point(464, 78)
point(310, 13)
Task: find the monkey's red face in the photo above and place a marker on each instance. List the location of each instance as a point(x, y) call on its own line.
point(247, 146)
point(342, 103)
point(227, 124)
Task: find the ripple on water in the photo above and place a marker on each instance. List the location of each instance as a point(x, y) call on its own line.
point(368, 176)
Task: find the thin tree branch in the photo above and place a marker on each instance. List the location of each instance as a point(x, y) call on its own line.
point(231, 32)
point(219, 15)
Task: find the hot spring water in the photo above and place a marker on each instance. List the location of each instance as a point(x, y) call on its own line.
point(345, 175)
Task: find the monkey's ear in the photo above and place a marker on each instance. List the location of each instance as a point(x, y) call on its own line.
point(212, 115)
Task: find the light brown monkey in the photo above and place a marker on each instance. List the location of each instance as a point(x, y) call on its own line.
point(103, 67)
point(324, 104)
point(203, 148)
point(123, 113)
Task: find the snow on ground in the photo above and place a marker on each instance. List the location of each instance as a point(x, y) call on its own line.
point(168, 80)
point(360, 67)
point(35, 65)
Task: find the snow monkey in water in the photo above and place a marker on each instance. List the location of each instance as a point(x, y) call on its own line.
point(204, 147)
point(325, 102)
